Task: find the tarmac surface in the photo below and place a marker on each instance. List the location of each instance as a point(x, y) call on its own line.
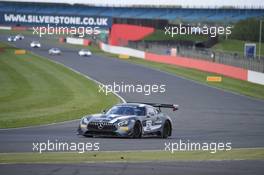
point(154, 168)
point(206, 114)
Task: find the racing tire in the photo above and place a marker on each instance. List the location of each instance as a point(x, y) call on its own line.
point(137, 130)
point(166, 130)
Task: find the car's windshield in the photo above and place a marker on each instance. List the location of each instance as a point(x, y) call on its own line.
point(127, 110)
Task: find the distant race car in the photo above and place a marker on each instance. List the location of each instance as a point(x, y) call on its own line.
point(54, 51)
point(11, 38)
point(35, 44)
point(132, 120)
point(85, 52)
point(19, 37)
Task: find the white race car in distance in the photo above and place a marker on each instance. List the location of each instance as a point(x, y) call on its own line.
point(85, 52)
point(54, 51)
point(19, 37)
point(35, 44)
point(11, 38)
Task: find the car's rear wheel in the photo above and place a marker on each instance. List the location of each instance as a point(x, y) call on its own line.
point(166, 130)
point(137, 130)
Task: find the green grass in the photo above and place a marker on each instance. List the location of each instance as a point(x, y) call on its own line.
point(235, 46)
point(37, 91)
point(159, 35)
point(131, 156)
point(15, 32)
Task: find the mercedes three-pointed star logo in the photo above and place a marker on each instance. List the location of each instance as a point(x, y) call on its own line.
point(100, 125)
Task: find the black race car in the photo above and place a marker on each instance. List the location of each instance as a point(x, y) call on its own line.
point(132, 120)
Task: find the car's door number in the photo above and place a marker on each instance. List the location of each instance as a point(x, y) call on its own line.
point(148, 125)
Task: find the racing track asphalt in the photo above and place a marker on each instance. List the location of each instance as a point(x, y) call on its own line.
point(206, 114)
point(154, 168)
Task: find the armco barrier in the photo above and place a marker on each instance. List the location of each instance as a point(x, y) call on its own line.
point(207, 66)
point(5, 28)
point(78, 41)
point(122, 50)
point(255, 77)
point(62, 39)
point(19, 28)
point(86, 42)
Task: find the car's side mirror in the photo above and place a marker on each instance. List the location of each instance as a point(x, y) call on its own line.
point(104, 111)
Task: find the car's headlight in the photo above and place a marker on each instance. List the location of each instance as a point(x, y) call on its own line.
point(84, 121)
point(123, 123)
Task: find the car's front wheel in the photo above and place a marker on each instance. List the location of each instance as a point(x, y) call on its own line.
point(137, 130)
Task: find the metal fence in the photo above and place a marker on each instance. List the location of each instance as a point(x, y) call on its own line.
point(228, 58)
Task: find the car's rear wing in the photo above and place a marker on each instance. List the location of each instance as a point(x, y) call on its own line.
point(174, 107)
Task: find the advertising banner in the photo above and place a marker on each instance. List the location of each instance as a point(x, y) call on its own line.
point(30, 19)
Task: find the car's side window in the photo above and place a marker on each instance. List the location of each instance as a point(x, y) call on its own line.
point(151, 111)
